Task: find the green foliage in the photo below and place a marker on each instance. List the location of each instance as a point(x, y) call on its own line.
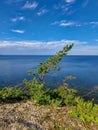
point(50, 63)
point(36, 91)
point(85, 111)
point(67, 94)
point(10, 93)
point(60, 96)
point(36, 85)
point(70, 77)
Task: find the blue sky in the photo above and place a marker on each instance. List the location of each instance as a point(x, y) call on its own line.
point(38, 27)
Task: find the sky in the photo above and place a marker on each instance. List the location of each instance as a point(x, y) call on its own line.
point(42, 27)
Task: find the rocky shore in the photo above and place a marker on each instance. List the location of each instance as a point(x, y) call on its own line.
point(25, 115)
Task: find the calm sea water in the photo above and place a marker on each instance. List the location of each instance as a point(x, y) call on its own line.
point(13, 69)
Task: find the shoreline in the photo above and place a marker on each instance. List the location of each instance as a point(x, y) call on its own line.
point(25, 115)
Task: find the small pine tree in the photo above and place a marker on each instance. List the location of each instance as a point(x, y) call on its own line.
point(50, 63)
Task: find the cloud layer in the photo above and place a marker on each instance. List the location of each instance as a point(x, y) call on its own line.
point(29, 5)
point(66, 23)
point(44, 48)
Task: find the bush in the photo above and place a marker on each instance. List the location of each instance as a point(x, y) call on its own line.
point(9, 93)
point(85, 111)
point(67, 95)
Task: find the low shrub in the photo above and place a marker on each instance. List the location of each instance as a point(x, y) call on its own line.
point(86, 111)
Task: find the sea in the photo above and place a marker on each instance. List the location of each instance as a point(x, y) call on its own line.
point(14, 69)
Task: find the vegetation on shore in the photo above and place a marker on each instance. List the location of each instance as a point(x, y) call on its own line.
point(62, 97)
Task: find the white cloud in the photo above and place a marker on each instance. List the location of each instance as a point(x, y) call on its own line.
point(85, 3)
point(42, 12)
point(33, 44)
point(96, 40)
point(39, 47)
point(65, 23)
point(40, 44)
point(94, 23)
point(29, 5)
point(5, 44)
point(69, 1)
point(18, 31)
point(66, 8)
point(85, 50)
point(21, 18)
point(42, 48)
